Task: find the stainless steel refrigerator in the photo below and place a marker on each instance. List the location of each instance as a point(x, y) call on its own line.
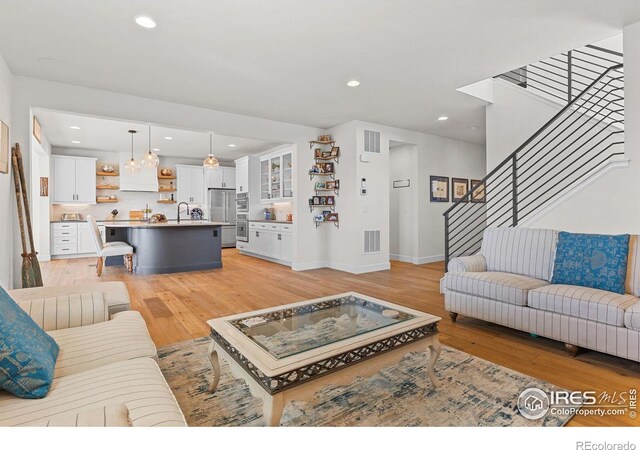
point(222, 208)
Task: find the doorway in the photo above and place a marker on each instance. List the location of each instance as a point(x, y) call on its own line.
point(403, 213)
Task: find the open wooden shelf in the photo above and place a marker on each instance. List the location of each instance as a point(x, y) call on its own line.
point(106, 200)
point(107, 174)
point(167, 190)
point(166, 202)
point(108, 187)
point(166, 177)
point(322, 142)
point(336, 223)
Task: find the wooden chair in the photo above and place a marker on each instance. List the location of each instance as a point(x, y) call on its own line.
point(110, 248)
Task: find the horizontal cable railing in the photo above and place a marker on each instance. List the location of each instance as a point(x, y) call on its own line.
point(583, 137)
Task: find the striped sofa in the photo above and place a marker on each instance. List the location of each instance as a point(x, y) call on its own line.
point(509, 283)
point(106, 373)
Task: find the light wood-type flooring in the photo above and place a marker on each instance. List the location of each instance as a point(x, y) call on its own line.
point(177, 306)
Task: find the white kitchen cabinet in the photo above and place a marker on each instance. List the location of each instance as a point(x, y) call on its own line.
point(190, 184)
point(74, 179)
point(276, 177)
point(73, 238)
point(271, 241)
point(242, 175)
point(220, 178)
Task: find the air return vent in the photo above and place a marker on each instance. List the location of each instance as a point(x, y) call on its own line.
point(372, 241)
point(371, 141)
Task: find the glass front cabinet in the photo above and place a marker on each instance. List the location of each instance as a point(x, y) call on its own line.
point(276, 177)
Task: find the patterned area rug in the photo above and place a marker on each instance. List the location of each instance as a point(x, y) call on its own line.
point(473, 392)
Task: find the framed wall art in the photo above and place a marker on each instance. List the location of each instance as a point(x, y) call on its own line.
point(459, 188)
point(439, 188)
point(479, 194)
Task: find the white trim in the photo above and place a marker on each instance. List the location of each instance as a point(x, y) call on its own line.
point(418, 260)
point(401, 258)
point(299, 267)
point(266, 258)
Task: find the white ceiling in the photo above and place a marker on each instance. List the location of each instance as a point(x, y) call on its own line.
point(112, 135)
point(289, 60)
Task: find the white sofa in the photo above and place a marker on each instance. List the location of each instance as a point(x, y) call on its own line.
point(106, 373)
point(509, 283)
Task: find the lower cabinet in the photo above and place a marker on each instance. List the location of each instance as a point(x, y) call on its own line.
point(73, 238)
point(273, 241)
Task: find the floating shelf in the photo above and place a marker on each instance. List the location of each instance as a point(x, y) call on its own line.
point(167, 190)
point(108, 187)
point(107, 174)
point(312, 143)
point(325, 174)
point(166, 177)
point(335, 223)
point(106, 200)
point(335, 191)
point(332, 208)
point(166, 202)
point(336, 159)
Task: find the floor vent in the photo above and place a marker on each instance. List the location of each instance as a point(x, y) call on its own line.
point(371, 141)
point(372, 241)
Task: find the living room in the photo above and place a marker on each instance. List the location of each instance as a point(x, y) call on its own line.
point(436, 228)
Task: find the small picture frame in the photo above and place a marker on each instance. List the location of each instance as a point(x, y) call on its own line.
point(316, 200)
point(325, 214)
point(332, 217)
point(439, 189)
point(479, 193)
point(318, 218)
point(323, 200)
point(335, 151)
point(44, 186)
point(331, 200)
point(321, 185)
point(326, 154)
point(331, 184)
point(318, 152)
point(459, 189)
point(329, 168)
point(315, 169)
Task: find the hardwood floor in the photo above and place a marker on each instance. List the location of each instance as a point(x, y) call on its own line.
point(177, 306)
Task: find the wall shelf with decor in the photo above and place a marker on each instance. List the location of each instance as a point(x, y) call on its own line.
point(108, 187)
point(166, 202)
point(326, 157)
point(107, 174)
point(106, 200)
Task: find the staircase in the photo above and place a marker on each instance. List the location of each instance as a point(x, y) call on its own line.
point(580, 141)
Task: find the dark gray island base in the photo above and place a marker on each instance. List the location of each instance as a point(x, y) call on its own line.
point(170, 247)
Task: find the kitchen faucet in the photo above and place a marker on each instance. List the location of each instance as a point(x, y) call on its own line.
point(179, 209)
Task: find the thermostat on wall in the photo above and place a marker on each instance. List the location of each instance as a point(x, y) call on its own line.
point(363, 186)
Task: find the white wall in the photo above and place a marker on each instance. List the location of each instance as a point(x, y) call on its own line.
point(31, 92)
point(40, 154)
point(403, 215)
point(7, 197)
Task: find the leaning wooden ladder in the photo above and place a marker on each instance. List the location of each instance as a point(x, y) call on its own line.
point(31, 275)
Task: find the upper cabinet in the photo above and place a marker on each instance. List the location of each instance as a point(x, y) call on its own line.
point(242, 174)
point(276, 176)
point(190, 183)
point(74, 179)
point(220, 178)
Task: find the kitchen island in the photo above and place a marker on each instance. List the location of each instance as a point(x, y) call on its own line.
point(171, 246)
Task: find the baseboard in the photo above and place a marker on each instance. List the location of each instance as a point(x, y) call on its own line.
point(300, 267)
point(266, 258)
point(419, 260)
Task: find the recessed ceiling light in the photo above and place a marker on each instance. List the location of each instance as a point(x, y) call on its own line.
point(145, 22)
point(168, 138)
point(441, 118)
point(75, 142)
point(232, 145)
point(74, 127)
point(353, 83)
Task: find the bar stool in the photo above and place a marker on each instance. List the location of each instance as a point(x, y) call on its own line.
point(110, 248)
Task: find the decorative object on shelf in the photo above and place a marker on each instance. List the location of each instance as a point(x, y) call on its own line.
point(107, 168)
point(44, 186)
point(439, 188)
point(332, 185)
point(210, 162)
point(37, 130)
point(166, 172)
point(478, 194)
point(324, 138)
point(4, 148)
point(158, 218)
point(321, 168)
point(113, 197)
point(150, 160)
point(75, 217)
point(114, 213)
point(290, 217)
point(132, 166)
point(459, 188)
point(197, 214)
point(146, 212)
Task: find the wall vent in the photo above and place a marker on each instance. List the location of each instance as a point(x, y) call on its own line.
point(371, 141)
point(372, 241)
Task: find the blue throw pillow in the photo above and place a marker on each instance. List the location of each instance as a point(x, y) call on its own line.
point(27, 354)
point(592, 260)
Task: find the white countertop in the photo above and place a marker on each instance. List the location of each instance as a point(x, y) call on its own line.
point(184, 223)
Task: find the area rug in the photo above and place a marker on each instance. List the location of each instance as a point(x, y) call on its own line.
point(473, 392)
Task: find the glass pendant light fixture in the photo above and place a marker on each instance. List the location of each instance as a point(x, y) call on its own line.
point(132, 166)
point(210, 162)
point(150, 160)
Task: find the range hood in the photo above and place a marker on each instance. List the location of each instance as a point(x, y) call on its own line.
point(144, 181)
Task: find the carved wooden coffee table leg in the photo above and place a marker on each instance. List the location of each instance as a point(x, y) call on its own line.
point(272, 408)
point(215, 365)
point(434, 353)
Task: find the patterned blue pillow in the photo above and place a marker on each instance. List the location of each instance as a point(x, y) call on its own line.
point(27, 354)
point(592, 260)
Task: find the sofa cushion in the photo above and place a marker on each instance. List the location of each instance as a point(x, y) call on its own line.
point(67, 311)
point(583, 302)
point(137, 383)
point(523, 251)
point(632, 316)
point(27, 354)
point(592, 260)
point(104, 416)
point(504, 287)
point(122, 338)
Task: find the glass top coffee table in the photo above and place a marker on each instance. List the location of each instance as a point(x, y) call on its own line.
point(289, 352)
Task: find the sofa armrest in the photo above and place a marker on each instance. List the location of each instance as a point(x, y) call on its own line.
point(473, 263)
point(116, 415)
point(67, 311)
point(115, 293)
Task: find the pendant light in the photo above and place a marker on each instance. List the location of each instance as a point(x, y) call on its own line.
point(210, 162)
point(132, 166)
point(150, 160)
